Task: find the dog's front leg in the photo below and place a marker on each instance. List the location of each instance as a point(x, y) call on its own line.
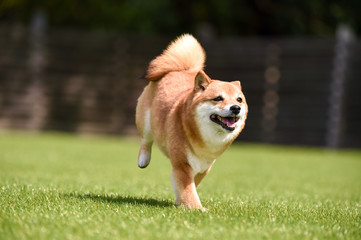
point(184, 187)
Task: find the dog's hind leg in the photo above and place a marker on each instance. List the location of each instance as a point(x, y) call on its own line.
point(146, 142)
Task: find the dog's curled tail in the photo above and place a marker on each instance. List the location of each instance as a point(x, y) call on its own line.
point(183, 54)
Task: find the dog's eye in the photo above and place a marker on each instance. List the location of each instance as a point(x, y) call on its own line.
point(218, 99)
point(239, 99)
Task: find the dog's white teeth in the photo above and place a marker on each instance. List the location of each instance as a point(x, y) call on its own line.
point(219, 118)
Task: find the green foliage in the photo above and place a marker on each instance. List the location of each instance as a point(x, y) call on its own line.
point(55, 186)
point(229, 17)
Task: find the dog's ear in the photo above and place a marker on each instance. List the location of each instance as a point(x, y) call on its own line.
point(201, 81)
point(237, 84)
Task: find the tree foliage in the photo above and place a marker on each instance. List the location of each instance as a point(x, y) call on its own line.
point(225, 17)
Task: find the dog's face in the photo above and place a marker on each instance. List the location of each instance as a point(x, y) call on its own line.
point(221, 108)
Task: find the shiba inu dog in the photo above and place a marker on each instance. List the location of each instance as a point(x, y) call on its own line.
point(192, 118)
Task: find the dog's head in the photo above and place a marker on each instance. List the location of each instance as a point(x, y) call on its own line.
point(220, 107)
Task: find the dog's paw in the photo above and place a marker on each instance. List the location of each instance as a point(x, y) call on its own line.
point(203, 209)
point(143, 159)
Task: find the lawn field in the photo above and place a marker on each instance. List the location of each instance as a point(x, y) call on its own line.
point(59, 186)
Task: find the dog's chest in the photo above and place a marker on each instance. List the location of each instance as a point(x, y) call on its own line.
point(199, 165)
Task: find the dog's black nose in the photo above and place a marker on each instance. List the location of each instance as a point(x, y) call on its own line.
point(235, 109)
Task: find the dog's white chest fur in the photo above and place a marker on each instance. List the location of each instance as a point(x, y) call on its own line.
point(199, 165)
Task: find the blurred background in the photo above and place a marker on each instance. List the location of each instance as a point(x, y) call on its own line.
point(71, 65)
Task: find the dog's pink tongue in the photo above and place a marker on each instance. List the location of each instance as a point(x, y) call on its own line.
point(228, 121)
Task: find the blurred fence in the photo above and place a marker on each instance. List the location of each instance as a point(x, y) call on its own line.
point(80, 81)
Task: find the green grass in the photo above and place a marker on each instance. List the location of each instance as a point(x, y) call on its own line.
point(58, 186)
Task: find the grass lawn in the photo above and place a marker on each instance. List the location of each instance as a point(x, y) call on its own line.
point(58, 186)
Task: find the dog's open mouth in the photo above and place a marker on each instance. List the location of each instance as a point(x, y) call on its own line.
point(228, 123)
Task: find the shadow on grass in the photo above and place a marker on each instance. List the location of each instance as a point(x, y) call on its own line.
point(121, 199)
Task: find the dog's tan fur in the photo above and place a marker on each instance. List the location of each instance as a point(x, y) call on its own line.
point(174, 111)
